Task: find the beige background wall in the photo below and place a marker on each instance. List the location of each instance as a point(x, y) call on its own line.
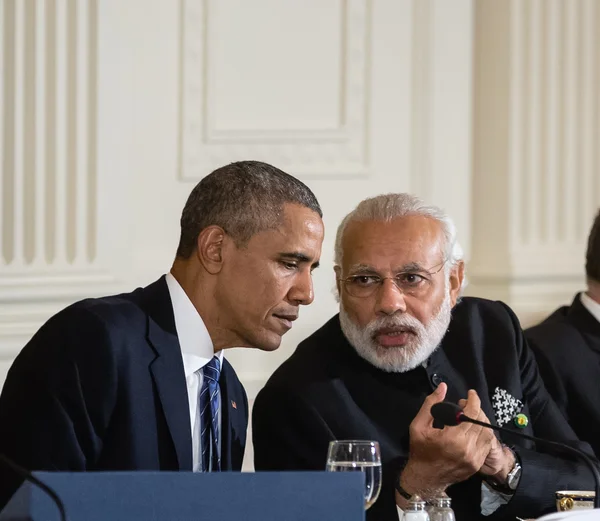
point(111, 111)
point(536, 136)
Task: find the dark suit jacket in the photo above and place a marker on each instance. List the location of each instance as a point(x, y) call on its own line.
point(325, 391)
point(567, 349)
point(101, 386)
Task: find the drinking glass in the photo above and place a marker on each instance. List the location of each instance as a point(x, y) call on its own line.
point(358, 456)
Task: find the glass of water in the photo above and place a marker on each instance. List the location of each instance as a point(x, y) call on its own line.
point(358, 456)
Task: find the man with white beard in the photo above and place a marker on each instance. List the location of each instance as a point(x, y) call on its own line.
point(404, 340)
point(422, 339)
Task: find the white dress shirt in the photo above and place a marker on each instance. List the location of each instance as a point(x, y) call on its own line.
point(197, 350)
point(591, 305)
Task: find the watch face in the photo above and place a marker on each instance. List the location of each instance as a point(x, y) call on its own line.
point(513, 477)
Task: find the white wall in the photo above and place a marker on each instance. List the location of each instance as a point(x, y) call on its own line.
point(536, 182)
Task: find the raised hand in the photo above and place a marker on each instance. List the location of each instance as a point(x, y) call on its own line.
point(439, 458)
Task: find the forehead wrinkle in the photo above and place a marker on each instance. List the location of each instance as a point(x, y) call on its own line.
point(361, 267)
point(411, 266)
point(405, 237)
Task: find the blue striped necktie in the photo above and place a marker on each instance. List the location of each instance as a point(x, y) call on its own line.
point(209, 416)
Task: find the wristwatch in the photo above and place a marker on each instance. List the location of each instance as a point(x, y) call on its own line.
point(512, 480)
point(513, 477)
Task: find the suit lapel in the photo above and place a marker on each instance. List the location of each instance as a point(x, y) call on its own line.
point(167, 371)
point(586, 323)
point(233, 419)
point(225, 425)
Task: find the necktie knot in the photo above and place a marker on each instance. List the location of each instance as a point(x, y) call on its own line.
point(212, 370)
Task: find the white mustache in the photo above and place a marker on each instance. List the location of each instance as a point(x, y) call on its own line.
point(396, 321)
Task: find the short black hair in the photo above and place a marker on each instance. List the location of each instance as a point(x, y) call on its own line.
point(592, 257)
point(243, 198)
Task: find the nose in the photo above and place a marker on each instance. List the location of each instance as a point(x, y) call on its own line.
point(301, 293)
point(390, 299)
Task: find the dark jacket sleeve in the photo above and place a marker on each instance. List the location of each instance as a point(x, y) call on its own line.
point(58, 395)
point(287, 433)
point(542, 472)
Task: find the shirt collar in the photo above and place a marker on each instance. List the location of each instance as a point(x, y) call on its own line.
point(591, 305)
point(197, 347)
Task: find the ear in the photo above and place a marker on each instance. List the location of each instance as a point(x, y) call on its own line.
point(338, 276)
point(457, 275)
point(209, 248)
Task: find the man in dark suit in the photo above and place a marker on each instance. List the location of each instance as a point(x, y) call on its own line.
point(403, 341)
point(567, 349)
point(138, 381)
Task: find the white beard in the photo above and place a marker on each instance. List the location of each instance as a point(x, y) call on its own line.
point(419, 348)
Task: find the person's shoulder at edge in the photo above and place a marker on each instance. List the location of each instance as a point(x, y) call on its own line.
point(554, 333)
point(86, 322)
point(556, 321)
point(484, 325)
point(469, 307)
point(113, 310)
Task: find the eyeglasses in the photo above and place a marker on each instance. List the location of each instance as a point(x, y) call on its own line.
point(410, 282)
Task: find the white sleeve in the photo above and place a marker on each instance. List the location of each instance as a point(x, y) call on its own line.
point(492, 500)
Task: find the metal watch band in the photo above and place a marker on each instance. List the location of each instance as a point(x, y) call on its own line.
point(510, 486)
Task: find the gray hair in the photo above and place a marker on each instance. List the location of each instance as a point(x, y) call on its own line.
point(243, 198)
point(387, 207)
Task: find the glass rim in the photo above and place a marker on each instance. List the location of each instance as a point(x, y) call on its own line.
point(363, 442)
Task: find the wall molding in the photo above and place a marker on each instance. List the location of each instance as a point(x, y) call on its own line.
point(38, 286)
point(536, 184)
point(49, 245)
point(27, 300)
point(422, 91)
point(324, 152)
point(48, 151)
